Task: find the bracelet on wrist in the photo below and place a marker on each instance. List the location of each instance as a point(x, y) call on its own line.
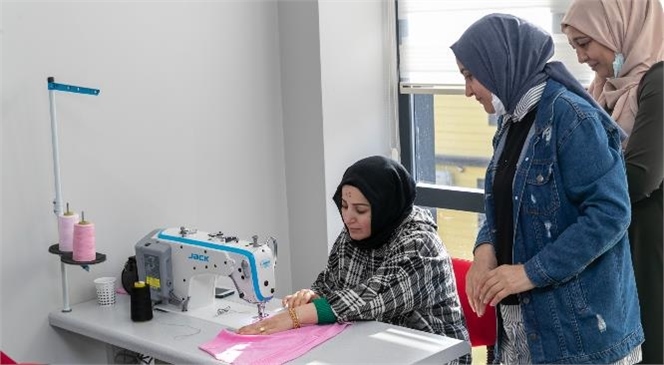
point(294, 318)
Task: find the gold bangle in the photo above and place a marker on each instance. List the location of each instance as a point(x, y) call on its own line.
point(293, 316)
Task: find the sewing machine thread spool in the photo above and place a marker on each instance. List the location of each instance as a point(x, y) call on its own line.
point(83, 245)
point(141, 304)
point(66, 224)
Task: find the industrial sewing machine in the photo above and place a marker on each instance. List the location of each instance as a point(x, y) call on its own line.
point(181, 266)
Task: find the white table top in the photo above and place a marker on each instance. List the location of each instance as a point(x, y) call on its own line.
point(174, 338)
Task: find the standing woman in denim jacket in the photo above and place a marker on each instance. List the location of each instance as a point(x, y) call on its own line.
point(553, 253)
point(623, 42)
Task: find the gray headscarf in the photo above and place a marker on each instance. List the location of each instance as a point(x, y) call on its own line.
point(509, 55)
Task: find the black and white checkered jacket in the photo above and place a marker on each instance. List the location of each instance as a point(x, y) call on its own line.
point(407, 282)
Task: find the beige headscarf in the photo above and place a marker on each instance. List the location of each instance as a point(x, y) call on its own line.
point(631, 27)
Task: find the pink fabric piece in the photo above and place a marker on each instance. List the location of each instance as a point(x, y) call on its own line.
point(277, 348)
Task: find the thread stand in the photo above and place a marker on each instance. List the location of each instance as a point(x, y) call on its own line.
point(66, 258)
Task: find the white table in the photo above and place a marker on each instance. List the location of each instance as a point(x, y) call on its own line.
point(174, 338)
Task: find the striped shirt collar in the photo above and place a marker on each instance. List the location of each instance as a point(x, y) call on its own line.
point(528, 101)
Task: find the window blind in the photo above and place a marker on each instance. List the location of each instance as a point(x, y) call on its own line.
point(427, 29)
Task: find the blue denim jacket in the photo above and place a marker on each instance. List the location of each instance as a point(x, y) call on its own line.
point(572, 210)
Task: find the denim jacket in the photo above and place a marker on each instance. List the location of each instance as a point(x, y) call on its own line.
point(571, 212)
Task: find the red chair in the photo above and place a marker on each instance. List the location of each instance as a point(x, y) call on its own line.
point(482, 330)
point(4, 359)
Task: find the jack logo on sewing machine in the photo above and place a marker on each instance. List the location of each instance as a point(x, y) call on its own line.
point(265, 263)
point(195, 256)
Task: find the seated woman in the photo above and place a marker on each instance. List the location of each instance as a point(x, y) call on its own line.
point(388, 263)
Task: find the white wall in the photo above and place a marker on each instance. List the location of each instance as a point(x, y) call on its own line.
point(355, 80)
point(303, 137)
point(193, 126)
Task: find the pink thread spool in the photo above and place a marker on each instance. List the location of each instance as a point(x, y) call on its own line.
point(84, 241)
point(66, 223)
point(66, 232)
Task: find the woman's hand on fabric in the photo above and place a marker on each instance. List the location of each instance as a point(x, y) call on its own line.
point(503, 281)
point(273, 324)
point(299, 298)
point(483, 262)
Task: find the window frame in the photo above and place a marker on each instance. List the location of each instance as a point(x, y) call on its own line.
point(432, 195)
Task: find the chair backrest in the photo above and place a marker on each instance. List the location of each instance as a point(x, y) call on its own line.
point(482, 330)
point(4, 359)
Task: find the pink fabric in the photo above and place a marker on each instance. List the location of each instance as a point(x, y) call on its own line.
point(277, 348)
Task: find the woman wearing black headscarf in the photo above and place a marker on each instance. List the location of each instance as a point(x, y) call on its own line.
point(388, 263)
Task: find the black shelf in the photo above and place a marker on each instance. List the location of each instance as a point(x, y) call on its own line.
point(67, 257)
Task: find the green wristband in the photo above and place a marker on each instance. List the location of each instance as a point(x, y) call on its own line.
point(324, 311)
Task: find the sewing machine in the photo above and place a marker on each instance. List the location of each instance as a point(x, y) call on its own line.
point(180, 265)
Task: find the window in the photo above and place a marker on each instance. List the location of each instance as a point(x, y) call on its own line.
point(445, 136)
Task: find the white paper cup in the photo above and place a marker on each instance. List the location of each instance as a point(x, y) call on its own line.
point(105, 290)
